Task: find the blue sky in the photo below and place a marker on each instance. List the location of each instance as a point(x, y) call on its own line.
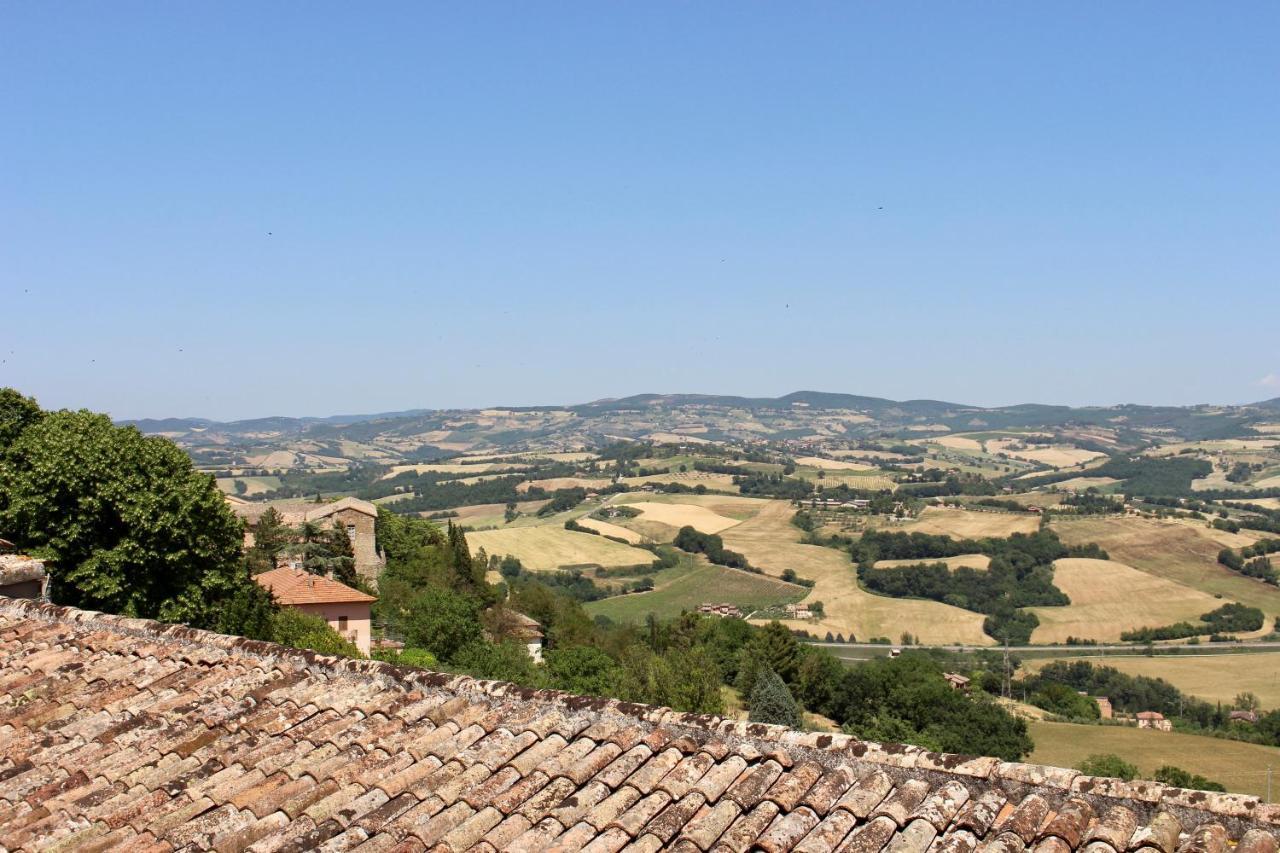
point(242, 209)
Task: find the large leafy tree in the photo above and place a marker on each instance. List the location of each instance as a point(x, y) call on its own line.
point(16, 414)
point(127, 523)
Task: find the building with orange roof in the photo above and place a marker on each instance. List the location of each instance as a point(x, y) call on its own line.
point(346, 610)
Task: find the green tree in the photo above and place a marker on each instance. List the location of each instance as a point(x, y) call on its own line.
point(443, 622)
point(300, 630)
point(248, 612)
point(271, 538)
point(1246, 702)
point(16, 414)
point(240, 486)
point(505, 661)
point(777, 648)
point(1179, 778)
point(1108, 764)
point(127, 523)
point(583, 669)
point(771, 702)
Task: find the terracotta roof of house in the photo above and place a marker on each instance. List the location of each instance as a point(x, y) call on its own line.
point(296, 512)
point(1149, 715)
point(295, 586)
point(126, 733)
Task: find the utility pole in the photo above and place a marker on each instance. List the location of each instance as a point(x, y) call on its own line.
point(1008, 687)
point(1268, 783)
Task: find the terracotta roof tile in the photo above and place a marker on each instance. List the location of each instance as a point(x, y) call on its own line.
point(121, 733)
point(294, 586)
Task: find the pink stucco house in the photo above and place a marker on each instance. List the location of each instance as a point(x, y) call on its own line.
point(345, 609)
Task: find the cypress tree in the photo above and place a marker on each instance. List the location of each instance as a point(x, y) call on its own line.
point(771, 701)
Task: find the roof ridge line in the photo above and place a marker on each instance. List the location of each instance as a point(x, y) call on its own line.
point(899, 760)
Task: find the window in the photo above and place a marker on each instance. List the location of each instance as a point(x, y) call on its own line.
point(342, 623)
point(351, 532)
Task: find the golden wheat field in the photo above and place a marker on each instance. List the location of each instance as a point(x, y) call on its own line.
point(681, 515)
point(770, 541)
point(552, 547)
point(1108, 598)
point(606, 528)
point(1176, 551)
point(834, 464)
point(971, 524)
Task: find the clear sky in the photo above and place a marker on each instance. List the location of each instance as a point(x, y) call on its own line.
point(242, 209)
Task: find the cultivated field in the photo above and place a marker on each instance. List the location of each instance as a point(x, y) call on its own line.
point(253, 485)
point(681, 515)
point(564, 483)
point(1082, 483)
point(1211, 677)
point(1055, 456)
point(970, 524)
point(551, 547)
point(956, 442)
point(697, 582)
point(454, 468)
point(771, 542)
point(719, 482)
point(834, 464)
point(609, 529)
point(1241, 767)
point(1171, 550)
point(972, 561)
point(1109, 597)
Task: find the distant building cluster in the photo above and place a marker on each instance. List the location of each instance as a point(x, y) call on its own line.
point(727, 610)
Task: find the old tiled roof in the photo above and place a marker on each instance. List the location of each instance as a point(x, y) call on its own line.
point(124, 733)
point(16, 568)
point(295, 586)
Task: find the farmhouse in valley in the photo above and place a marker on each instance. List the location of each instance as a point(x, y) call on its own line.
point(1154, 720)
point(357, 517)
point(130, 734)
point(346, 610)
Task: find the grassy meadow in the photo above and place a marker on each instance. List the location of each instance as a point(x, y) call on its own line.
point(1241, 767)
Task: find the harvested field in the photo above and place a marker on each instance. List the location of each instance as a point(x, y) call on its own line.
point(1082, 483)
point(834, 464)
point(1211, 677)
point(971, 524)
point(1109, 597)
point(606, 528)
point(551, 547)
point(1241, 767)
point(1171, 550)
point(972, 561)
point(770, 541)
point(719, 482)
point(956, 442)
point(453, 468)
point(1055, 456)
point(695, 582)
point(1269, 503)
point(680, 515)
point(253, 485)
point(676, 438)
point(730, 506)
point(564, 483)
point(276, 459)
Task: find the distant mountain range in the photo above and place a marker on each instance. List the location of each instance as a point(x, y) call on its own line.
point(713, 417)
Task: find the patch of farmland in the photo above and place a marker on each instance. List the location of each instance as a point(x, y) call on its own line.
point(676, 438)
point(970, 524)
point(1055, 456)
point(1171, 550)
point(275, 459)
point(971, 561)
point(695, 582)
point(606, 528)
point(834, 464)
point(1082, 483)
point(1108, 598)
point(564, 483)
point(452, 468)
point(1211, 677)
point(719, 482)
point(1269, 503)
point(730, 506)
point(958, 442)
point(1241, 767)
point(681, 515)
point(253, 485)
point(771, 542)
point(550, 547)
